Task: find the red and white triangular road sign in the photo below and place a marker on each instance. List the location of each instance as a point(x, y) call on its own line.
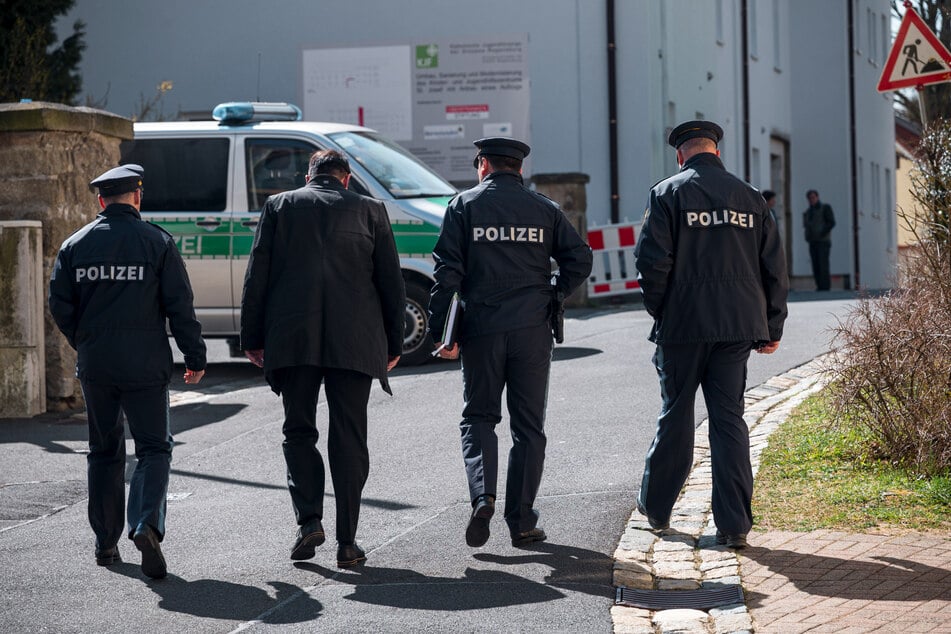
point(917, 58)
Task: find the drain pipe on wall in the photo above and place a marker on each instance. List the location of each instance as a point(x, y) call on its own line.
point(745, 52)
point(852, 151)
point(612, 115)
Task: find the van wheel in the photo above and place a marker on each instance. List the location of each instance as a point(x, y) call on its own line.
point(417, 343)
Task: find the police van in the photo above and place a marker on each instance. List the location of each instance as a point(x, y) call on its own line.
point(206, 181)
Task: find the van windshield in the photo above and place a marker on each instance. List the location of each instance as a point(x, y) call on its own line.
point(401, 173)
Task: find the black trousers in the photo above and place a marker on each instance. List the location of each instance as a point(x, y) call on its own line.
point(347, 395)
point(519, 361)
point(720, 370)
point(146, 410)
point(819, 253)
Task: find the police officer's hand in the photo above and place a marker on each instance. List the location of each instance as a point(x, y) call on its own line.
point(448, 353)
point(193, 376)
point(768, 348)
point(256, 357)
point(391, 362)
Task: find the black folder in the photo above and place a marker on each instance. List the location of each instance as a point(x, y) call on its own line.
point(453, 326)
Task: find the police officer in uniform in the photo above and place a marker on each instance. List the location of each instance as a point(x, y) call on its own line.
point(713, 276)
point(495, 250)
point(114, 284)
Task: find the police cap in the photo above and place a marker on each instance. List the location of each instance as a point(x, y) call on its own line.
point(693, 129)
point(119, 180)
point(500, 146)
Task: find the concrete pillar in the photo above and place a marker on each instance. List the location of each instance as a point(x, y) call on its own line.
point(22, 364)
point(48, 155)
point(569, 191)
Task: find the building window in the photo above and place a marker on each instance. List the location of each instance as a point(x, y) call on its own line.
point(777, 33)
point(755, 165)
point(886, 36)
point(719, 19)
point(861, 187)
point(753, 30)
point(890, 217)
point(872, 37)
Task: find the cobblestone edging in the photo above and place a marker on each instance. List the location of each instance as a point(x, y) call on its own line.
point(686, 557)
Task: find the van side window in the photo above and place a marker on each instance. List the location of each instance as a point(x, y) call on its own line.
point(181, 174)
point(274, 166)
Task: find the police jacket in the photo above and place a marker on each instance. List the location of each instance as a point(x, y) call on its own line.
point(323, 285)
point(709, 259)
point(114, 284)
point(495, 249)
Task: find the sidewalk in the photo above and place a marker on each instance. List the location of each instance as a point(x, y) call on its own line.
point(821, 581)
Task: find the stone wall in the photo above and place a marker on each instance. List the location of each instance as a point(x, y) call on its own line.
point(570, 192)
point(48, 155)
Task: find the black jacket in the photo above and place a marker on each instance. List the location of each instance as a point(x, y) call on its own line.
point(495, 249)
point(709, 259)
point(323, 285)
point(818, 220)
point(114, 283)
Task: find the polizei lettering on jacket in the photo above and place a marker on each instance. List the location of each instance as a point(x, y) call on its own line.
point(718, 217)
point(110, 273)
point(508, 233)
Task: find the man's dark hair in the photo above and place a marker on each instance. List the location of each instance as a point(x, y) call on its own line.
point(503, 163)
point(767, 194)
point(812, 191)
point(328, 162)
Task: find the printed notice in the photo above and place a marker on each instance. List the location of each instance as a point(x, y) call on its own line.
point(363, 86)
point(435, 96)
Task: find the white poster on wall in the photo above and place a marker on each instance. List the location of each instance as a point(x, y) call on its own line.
point(435, 97)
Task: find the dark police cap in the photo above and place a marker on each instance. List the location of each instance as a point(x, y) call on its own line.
point(500, 146)
point(119, 180)
point(693, 129)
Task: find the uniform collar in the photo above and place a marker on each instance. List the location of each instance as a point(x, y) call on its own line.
point(324, 181)
point(116, 209)
point(502, 175)
point(704, 158)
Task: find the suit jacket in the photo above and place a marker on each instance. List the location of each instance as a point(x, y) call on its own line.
point(323, 285)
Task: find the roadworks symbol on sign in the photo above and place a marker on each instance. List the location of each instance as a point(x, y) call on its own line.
point(917, 58)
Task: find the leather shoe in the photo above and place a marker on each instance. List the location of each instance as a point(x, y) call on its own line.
point(732, 541)
point(477, 532)
point(349, 555)
point(108, 556)
point(153, 562)
point(526, 538)
point(309, 537)
point(655, 524)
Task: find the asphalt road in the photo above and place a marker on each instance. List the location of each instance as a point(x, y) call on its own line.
point(230, 523)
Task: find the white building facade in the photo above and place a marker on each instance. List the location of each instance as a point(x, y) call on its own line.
point(792, 83)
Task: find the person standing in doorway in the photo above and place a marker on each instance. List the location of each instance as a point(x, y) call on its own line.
point(323, 304)
point(114, 285)
point(495, 249)
point(818, 221)
point(713, 275)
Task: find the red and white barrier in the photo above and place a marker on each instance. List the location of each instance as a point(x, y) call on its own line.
point(613, 271)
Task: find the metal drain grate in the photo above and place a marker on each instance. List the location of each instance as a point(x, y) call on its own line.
point(678, 599)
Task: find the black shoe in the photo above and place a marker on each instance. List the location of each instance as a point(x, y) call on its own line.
point(732, 541)
point(656, 524)
point(477, 532)
point(153, 562)
point(526, 538)
point(108, 556)
point(349, 555)
point(309, 537)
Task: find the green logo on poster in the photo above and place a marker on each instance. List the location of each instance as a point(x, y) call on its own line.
point(427, 56)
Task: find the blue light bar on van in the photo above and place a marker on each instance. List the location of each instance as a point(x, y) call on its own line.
point(250, 111)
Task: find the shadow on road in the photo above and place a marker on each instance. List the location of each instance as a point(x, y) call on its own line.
point(409, 589)
point(572, 568)
point(213, 599)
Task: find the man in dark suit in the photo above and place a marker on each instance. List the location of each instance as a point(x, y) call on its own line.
point(324, 297)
